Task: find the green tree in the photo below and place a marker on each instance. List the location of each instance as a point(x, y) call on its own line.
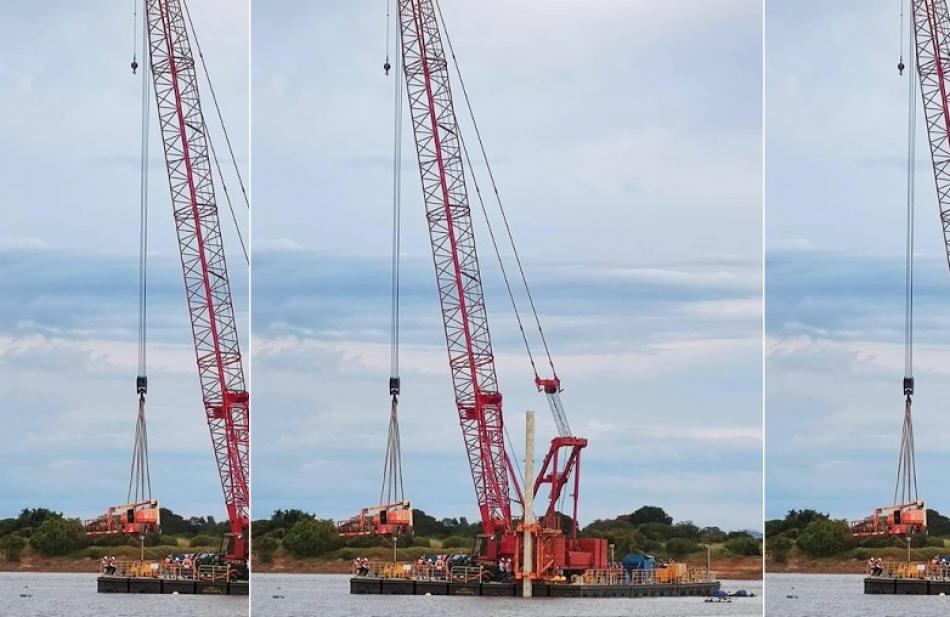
point(824, 538)
point(202, 540)
point(743, 545)
point(649, 514)
point(265, 547)
point(59, 536)
point(937, 524)
point(309, 538)
point(779, 548)
point(678, 547)
point(457, 542)
point(12, 546)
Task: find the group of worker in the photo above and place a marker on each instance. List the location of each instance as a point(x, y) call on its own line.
point(183, 564)
point(361, 566)
point(108, 565)
point(876, 566)
point(505, 568)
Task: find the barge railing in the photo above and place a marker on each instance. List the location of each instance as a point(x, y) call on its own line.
point(904, 570)
point(467, 574)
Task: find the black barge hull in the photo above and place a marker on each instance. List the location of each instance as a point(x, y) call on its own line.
point(131, 584)
point(880, 585)
point(406, 587)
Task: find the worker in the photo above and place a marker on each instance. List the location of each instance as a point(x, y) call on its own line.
point(103, 563)
point(439, 564)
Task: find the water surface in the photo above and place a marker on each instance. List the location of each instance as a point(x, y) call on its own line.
point(841, 595)
point(74, 595)
point(328, 595)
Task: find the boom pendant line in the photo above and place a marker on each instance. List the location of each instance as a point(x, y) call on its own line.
point(207, 289)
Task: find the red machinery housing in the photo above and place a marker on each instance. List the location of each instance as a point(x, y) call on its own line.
point(134, 519)
point(907, 519)
point(471, 360)
point(383, 520)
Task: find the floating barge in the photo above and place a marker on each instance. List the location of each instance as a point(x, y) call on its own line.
point(408, 580)
point(157, 577)
point(137, 584)
point(908, 579)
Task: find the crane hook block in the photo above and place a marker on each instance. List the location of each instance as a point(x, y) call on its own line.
point(900, 67)
point(394, 385)
point(134, 66)
point(141, 384)
point(908, 386)
point(387, 66)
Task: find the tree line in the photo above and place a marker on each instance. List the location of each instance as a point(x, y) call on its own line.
point(816, 534)
point(648, 530)
point(51, 534)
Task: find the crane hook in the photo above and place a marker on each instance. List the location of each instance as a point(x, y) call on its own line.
point(134, 65)
point(387, 66)
point(900, 67)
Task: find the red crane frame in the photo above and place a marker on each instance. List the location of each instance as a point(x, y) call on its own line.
point(207, 287)
point(932, 42)
point(468, 341)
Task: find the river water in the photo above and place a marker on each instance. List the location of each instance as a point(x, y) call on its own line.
point(328, 595)
point(74, 595)
point(841, 595)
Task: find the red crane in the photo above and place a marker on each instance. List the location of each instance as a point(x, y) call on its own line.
point(440, 150)
point(207, 288)
point(932, 42)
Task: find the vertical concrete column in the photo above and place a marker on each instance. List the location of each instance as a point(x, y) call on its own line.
point(528, 543)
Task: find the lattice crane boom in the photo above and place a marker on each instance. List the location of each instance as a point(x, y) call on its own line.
point(932, 43)
point(458, 276)
point(207, 288)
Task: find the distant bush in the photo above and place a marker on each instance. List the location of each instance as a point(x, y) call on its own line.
point(59, 536)
point(424, 542)
point(155, 539)
point(679, 547)
point(712, 535)
point(12, 546)
point(363, 542)
point(779, 547)
point(457, 542)
point(743, 545)
point(824, 538)
point(202, 540)
point(265, 547)
point(878, 542)
point(309, 538)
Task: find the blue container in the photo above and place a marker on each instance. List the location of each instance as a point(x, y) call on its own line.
point(635, 561)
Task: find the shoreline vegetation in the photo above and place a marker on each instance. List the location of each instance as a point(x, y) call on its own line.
point(296, 542)
point(810, 542)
